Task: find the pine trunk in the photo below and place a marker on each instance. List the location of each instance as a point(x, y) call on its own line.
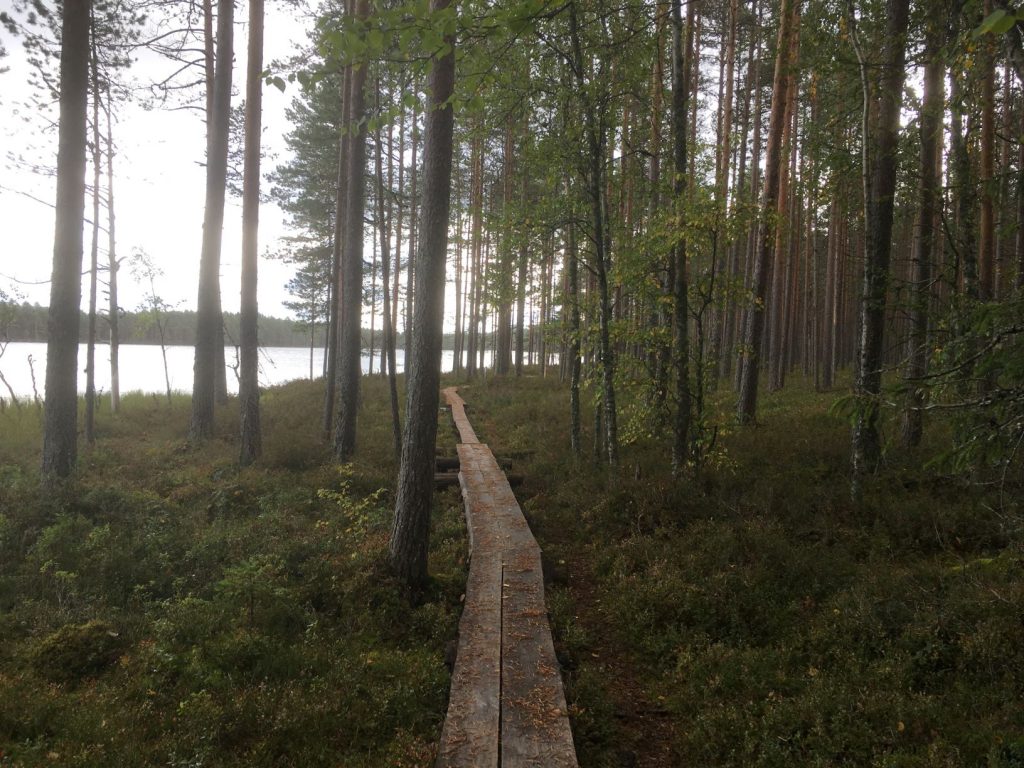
point(410, 531)
point(248, 386)
point(60, 429)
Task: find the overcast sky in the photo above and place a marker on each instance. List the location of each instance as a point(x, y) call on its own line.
point(158, 186)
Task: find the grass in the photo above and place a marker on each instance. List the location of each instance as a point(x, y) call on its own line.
point(169, 608)
point(755, 617)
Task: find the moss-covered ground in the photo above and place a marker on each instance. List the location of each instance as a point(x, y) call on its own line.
point(167, 608)
point(170, 609)
point(756, 618)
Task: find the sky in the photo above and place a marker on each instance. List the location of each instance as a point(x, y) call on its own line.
point(159, 181)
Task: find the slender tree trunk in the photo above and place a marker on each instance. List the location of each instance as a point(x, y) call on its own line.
point(731, 305)
point(521, 283)
point(209, 325)
point(410, 531)
point(384, 233)
point(476, 245)
point(682, 54)
point(783, 232)
point(986, 229)
point(373, 309)
point(340, 210)
point(743, 316)
point(789, 15)
point(460, 228)
point(1019, 244)
point(1004, 227)
point(966, 250)
point(410, 274)
point(248, 386)
point(112, 270)
point(400, 204)
point(931, 125)
point(350, 317)
point(60, 428)
point(878, 244)
point(94, 251)
point(722, 184)
point(595, 131)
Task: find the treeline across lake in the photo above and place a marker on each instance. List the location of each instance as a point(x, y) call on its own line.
point(27, 322)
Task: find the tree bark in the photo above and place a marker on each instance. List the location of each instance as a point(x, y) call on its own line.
point(931, 125)
point(249, 387)
point(878, 244)
point(986, 224)
point(746, 412)
point(94, 250)
point(340, 209)
point(384, 232)
point(350, 317)
point(682, 53)
point(112, 270)
point(209, 325)
point(60, 427)
point(410, 531)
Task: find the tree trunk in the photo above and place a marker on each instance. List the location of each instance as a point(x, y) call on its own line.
point(789, 16)
point(248, 386)
point(573, 300)
point(750, 252)
point(94, 251)
point(878, 244)
point(112, 269)
point(350, 317)
point(60, 428)
point(209, 325)
point(410, 272)
point(384, 232)
point(409, 534)
point(595, 130)
point(986, 224)
point(521, 284)
point(340, 209)
point(931, 125)
point(682, 55)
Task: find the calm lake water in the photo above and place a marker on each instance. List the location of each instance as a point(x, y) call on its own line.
point(142, 367)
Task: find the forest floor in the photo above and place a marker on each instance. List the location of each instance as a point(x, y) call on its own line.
point(169, 608)
point(755, 617)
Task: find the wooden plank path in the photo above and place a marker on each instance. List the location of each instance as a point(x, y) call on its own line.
point(507, 707)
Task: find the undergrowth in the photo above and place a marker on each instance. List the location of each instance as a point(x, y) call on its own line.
point(168, 608)
point(754, 617)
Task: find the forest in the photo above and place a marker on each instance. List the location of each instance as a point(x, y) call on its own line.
point(25, 322)
point(726, 468)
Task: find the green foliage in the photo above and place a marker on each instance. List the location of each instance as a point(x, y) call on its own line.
point(193, 613)
point(756, 618)
point(77, 650)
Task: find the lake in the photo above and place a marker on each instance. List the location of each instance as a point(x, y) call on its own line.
point(142, 368)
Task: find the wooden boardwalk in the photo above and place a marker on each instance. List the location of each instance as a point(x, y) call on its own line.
point(507, 707)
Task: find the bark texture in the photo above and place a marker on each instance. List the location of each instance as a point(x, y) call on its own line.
point(409, 534)
point(249, 387)
point(209, 326)
point(753, 335)
point(878, 243)
point(60, 427)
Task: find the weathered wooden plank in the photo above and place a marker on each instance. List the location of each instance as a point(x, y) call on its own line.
point(458, 405)
point(469, 738)
point(535, 729)
point(506, 588)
